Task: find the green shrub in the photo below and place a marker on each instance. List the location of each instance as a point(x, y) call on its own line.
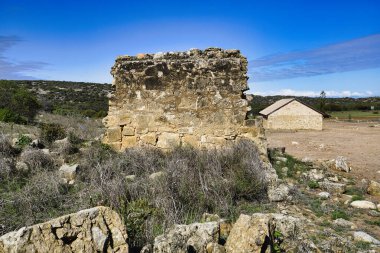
point(51, 132)
point(357, 197)
point(355, 191)
point(136, 215)
point(313, 184)
point(25, 104)
point(363, 245)
point(336, 214)
point(23, 141)
point(6, 115)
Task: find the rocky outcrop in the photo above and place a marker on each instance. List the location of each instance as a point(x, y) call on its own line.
point(268, 233)
point(187, 238)
point(181, 98)
point(68, 173)
point(97, 229)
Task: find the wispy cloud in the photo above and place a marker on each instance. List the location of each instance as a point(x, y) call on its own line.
point(358, 54)
point(15, 70)
point(311, 93)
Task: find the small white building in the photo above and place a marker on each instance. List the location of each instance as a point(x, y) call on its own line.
point(292, 114)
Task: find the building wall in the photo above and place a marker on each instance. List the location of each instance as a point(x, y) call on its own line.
point(184, 98)
point(294, 116)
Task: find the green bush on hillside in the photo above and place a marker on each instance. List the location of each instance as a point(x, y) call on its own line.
point(51, 132)
point(6, 115)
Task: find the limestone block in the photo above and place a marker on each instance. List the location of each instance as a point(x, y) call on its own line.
point(190, 140)
point(149, 138)
point(114, 134)
point(128, 141)
point(168, 140)
point(124, 119)
point(218, 141)
point(128, 131)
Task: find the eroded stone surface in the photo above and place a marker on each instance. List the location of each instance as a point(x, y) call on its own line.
point(184, 98)
point(98, 229)
point(259, 232)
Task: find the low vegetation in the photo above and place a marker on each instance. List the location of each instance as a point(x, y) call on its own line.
point(150, 189)
point(20, 100)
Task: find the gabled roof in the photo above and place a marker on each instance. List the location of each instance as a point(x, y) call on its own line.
point(281, 103)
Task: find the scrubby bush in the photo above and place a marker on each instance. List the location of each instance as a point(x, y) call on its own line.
point(187, 183)
point(25, 104)
point(6, 148)
point(190, 182)
point(51, 132)
point(339, 214)
point(7, 115)
point(37, 160)
point(6, 167)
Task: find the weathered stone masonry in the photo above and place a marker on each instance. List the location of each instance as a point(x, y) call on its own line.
point(183, 98)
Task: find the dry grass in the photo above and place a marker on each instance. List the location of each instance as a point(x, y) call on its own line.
point(84, 128)
point(191, 183)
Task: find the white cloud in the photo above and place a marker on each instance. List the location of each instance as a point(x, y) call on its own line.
point(310, 93)
point(357, 54)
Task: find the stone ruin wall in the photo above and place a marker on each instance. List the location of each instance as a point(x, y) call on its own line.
point(180, 98)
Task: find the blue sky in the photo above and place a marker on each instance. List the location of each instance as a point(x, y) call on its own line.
point(294, 47)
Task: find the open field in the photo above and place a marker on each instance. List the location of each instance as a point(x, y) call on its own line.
point(359, 142)
point(345, 115)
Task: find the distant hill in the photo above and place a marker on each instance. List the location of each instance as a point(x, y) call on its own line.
point(91, 99)
point(61, 97)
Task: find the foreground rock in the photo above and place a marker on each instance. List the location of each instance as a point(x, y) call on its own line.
point(374, 188)
point(279, 193)
point(98, 229)
point(261, 232)
point(68, 173)
point(188, 238)
point(331, 187)
point(340, 163)
point(364, 237)
point(363, 204)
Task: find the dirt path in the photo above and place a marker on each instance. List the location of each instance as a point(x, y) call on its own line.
point(359, 142)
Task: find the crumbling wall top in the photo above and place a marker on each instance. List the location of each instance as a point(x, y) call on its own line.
point(209, 53)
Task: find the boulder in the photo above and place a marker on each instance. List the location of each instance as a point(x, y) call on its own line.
point(324, 195)
point(374, 188)
point(260, 232)
point(363, 204)
point(331, 187)
point(187, 238)
point(335, 243)
point(314, 175)
point(344, 223)
point(68, 173)
point(341, 164)
point(374, 213)
point(279, 193)
point(361, 236)
point(98, 229)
